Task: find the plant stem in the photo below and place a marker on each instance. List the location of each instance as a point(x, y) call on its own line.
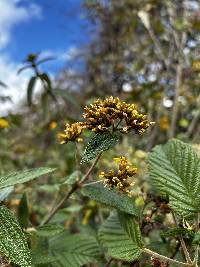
point(184, 248)
point(73, 189)
point(164, 258)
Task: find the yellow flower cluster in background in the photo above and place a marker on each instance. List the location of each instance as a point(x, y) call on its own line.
point(3, 123)
point(104, 115)
point(52, 125)
point(72, 132)
point(120, 179)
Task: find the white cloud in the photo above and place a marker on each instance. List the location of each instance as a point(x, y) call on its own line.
point(16, 83)
point(60, 56)
point(11, 13)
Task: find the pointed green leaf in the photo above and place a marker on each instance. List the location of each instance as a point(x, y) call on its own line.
point(118, 244)
point(46, 79)
point(30, 88)
point(48, 230)
point(131, 227)
point(175, 171)
point(13, 243)
point(99, 143)
point(112, 198)
point(68, 250)
point(23, 212)
point(23, 176)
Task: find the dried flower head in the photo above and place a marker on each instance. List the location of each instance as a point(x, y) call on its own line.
point(120, 179)
point(103, 114)
point(72, 132)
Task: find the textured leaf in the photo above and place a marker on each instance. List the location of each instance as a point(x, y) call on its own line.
point(99, 143)
point(176, 232)
point(48, 230)
point(13, 244)
point(175, 171)
point(118, 244)
point(131, 227)
point(111, 198)
point(196, 239)
point(69, 250)
point(23, 212)
point(23, 176)
point(30, 88)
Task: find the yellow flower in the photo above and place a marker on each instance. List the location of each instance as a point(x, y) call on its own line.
point(52, 125)
point(112, 112)
point(120, 179)
point(4, 123)
point(71, 132)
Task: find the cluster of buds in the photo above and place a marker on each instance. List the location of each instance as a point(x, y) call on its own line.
point(120, 179)
point(104, 115)
point(72, 132)
point(112, 112)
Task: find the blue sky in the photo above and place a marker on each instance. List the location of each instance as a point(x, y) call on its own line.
point(60, 26)
point(54, 27)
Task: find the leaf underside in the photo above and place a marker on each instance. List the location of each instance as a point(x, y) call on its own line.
point(112, 198)
point(13, 244)
point(99, 143)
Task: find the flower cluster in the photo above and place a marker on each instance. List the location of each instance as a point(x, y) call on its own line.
point(3, 123)
point(120, 179)
point(103, 114)
point(72, 132)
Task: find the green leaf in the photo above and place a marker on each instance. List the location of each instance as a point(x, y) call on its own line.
point(13, 244)
point(46, 79)
point(112, 198)
point(30, 88)
point(40, 253)
point(177, 232)
point(23, 212)
point(175, 171)
point(118, 244)
point(48, 230)
point(196, 239)
point(131, 227)
point(99, 143)
point(73, 250)
point(23, 176)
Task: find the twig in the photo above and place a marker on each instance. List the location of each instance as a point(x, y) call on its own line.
point(185, 251)
point(164, 258)
point(73, 189)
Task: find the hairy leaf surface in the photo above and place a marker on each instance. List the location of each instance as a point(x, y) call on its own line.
point(175, 171)
point(99, 143)
point(111, 198)
point(117, 242)
point(13, 244)
point(23, 176)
